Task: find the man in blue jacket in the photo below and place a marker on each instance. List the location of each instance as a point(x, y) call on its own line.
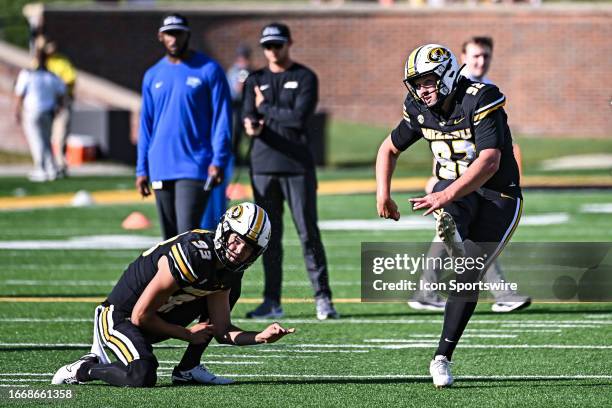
point(185, 129)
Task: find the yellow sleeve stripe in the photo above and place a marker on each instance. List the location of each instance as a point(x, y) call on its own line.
point(178, 257)
point(256, 230)
point(479, 116)
point(502, 99)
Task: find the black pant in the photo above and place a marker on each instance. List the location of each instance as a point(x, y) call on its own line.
point(238, 130)
point(180, 205)
point(137, 365)
point(300, 192)
point(486, 221)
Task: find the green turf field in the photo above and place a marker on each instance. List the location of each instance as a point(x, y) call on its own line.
point(547, 355)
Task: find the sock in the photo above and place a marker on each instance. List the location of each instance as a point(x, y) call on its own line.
point(82, 374)
point(457, 313)
point(192, 356)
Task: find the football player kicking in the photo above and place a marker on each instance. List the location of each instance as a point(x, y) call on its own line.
point(477, 202)
point(195, 275)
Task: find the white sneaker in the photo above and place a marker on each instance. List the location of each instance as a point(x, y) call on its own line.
point(67, 374)
point(37, 176)
point(440, 371)
point(506, 307)
point(326, 309)
point(430, 305)
point(446, 230)
point(198, 375)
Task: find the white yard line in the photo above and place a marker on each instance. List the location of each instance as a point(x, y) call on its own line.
point(67, 282)
point(38, 320)
point(236, 356)
point(267, 350)
point(511, 324)
point(339, 348)
point(513, 331)
point(213, 362)
point(544, 325)
point(598, 316)
point(384, 376)
point(25, 374)
point(601, 208)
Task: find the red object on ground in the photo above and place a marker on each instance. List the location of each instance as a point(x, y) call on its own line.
point(136, 221)
point(236, 191)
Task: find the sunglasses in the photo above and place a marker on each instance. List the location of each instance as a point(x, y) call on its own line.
point(275, 46)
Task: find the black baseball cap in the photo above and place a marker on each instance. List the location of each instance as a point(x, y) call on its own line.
point(275, 33)
point(174, 22)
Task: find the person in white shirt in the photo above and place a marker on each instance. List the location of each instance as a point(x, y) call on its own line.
point(39, 95)
point(476, 54)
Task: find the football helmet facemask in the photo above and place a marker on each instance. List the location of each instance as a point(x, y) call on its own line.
point(251, 223)
point(432, 59)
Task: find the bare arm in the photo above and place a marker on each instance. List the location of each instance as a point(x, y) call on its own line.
point(481, 170)
point(385, 165)
point(157, 292)
point(226, 333)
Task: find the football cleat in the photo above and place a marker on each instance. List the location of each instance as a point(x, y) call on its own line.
point(446, 230)
point(440, 371)
point(198, 375)
point(325, 309)
point(425, 304)
point(269, 309)
point(68, 373)
point(511, 306)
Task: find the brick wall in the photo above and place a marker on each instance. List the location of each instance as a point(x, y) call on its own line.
point(13, 139)
point(553, 63)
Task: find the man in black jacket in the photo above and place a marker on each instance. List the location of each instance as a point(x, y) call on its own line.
point(278, 101)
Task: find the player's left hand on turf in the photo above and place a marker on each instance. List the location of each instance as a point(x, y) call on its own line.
point(273, 333)
point(431, 201)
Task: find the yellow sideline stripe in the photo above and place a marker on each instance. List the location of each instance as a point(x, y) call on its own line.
point(59, 299)
point(336, 187)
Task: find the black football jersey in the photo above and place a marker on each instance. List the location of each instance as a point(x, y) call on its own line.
point(193, 265)
point(476, 121)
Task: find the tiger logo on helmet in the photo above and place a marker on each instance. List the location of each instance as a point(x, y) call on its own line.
point(432, 59)
point(252, 224)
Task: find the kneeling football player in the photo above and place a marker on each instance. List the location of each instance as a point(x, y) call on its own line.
point(195, 275)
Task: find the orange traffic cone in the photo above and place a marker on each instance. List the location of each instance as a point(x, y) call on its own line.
point(136, 221)
point(236, 191)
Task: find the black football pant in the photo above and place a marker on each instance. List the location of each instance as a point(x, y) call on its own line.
point(300, 193)
point(180, 205)
point(132, 346)
point(486, 221)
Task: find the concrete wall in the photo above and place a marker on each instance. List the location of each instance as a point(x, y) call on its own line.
point(553, 63)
